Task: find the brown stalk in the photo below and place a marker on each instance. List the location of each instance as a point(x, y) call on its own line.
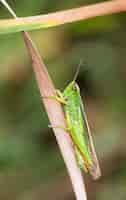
point(82, 13)
point(56, 117)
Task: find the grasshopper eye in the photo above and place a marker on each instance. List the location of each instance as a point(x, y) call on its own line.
point(66, 98)
point(75, 88)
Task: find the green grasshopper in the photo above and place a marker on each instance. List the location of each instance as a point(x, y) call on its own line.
point(78, 128)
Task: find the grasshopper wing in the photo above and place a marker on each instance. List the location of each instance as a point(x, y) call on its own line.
point(95, 170)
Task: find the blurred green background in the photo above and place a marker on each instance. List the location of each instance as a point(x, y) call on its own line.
point(31, 167)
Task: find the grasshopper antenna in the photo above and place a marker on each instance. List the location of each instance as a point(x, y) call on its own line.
point(9, 8)
point(77, 71)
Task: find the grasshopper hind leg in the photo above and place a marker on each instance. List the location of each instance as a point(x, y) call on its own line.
point(80, 160)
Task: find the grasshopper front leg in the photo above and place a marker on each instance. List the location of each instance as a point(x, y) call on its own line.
point(60, 126)
point(59, 97)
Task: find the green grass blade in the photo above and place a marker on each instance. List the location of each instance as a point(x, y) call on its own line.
point(24, 24)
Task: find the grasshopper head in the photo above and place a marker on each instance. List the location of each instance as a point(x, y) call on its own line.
point(71, 88)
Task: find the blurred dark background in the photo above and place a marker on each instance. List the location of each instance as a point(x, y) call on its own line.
point(31, 167)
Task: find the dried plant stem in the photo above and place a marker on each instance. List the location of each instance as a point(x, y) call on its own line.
point(62, 17)
point(56, 116)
